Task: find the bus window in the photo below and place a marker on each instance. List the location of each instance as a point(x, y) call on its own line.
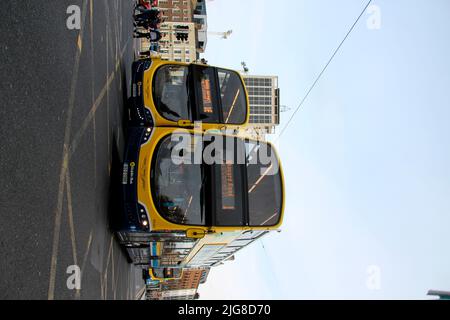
point(170, 92)
point(232, 94)
point(178, 188)
point(205, 83)
point(229, 202)
point(229, 186)
point(264, 187)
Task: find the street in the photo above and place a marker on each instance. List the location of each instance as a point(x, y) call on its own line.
point(62, 127)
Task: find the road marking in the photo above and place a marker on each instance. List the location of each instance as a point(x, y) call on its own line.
point(71, 225)
point(117, 276)
point(90, 116)
point(116, 27)
point(79, 43)
point(69, 149)
point(105, 275)
point(108, 35)
point(64, 166)
point(112, 272)
point(91, 15)
point(57, 227)
point(102, 291)
point(94, 108)
point(91, 25)
point(70, 214)
point(140, 293)
point(86, 252)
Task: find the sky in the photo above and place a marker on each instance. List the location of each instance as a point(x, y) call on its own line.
point(366, 159)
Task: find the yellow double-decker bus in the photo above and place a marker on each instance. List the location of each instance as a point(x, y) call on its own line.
point(177, 94)
point(193, 199)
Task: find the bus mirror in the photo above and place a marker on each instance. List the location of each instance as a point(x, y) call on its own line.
point(185, 124)
point(195, 233)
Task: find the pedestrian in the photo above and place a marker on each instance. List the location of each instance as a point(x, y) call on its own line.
point(153, 35)
point(143, 4)
point(148, 13)
point(146, 24)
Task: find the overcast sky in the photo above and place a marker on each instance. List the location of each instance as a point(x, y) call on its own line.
point(366, 160)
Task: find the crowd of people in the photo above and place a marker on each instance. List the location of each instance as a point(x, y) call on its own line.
point(147, 22)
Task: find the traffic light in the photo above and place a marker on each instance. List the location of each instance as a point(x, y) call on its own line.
point(182, 32)
point(182, 36)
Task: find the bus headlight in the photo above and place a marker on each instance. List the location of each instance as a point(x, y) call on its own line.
point(143, 216)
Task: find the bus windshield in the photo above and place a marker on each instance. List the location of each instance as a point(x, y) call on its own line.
point(200, 93)
point(178, 187)
point(230, 193)
point(170, 92)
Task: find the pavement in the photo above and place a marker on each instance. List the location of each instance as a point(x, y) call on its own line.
point(62, 96)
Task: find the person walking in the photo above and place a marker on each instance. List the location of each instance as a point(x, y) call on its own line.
point(148, 14)
point(148, 24)
point(153, 35)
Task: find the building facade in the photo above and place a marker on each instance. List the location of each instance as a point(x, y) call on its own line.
point(177, 50)
point(186, 16)
point(177, 10)
point(185, 288)
point(199, 17)
point(264, 97)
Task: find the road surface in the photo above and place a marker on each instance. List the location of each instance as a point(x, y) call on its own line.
point(63, 95)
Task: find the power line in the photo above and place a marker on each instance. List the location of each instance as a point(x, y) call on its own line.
point(323, 70)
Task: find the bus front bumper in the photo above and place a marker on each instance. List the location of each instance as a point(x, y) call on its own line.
point(134, 217)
